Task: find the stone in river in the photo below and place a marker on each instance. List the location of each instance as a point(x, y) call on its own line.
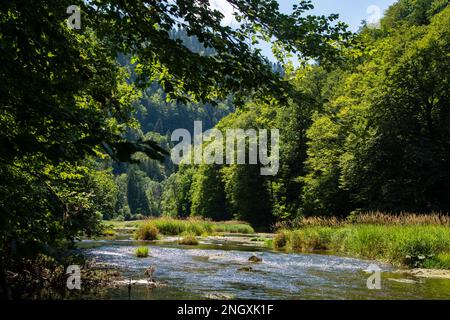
point(255, 259)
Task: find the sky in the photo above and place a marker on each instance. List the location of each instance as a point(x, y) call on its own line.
point(351, 12)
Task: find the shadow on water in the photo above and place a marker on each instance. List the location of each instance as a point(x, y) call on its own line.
point(219, 267)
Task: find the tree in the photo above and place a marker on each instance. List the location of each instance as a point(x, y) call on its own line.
point(412, 12)
point(176, 198)
point(248, 194)
point(208, 194)
point(406, 152)
point(136, 192)
point(382, 143)
point(64, 97)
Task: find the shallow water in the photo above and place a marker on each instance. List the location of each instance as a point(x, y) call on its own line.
point(194, 272)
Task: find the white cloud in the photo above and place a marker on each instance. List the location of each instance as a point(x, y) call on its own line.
point(226, 9)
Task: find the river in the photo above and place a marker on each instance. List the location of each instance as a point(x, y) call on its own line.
point(216, 268)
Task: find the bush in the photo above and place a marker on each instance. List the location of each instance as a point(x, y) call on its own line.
point(108, 233)
point(440, 261)
point(189, 240)
point(141, 252)
point(147, 231)
point(280, 240)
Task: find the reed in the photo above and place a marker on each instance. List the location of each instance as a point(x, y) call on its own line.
point(403, 245)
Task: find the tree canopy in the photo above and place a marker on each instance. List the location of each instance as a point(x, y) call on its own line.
point(67, 103)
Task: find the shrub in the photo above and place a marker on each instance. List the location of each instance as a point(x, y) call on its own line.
point(440, 261)
point(280, 240)
point(296, 240)
point(147, 231)
point(141, 252)
point(108, 233)
point(198, 228)
point(189, 239)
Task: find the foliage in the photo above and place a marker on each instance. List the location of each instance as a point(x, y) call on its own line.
point(382, 144)
point(208, 196)
point(147, 231)
point(141, 252)
point(198, 227)
point(364, 127)
point(413, 246)
point(280, 240)
point(188, 239)
point(370, 134)
point(176, 197)
point(235, 66)
point(233, 227)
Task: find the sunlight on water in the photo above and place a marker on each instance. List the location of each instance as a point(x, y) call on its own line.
point(196, 271)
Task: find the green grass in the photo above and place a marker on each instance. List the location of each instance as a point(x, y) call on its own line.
point(147, 232)
point(109, 233)
point(174, 227)
point(412, 246)
point(232, 227)
point(123, 224)
point(141, 252)
point(188, 239)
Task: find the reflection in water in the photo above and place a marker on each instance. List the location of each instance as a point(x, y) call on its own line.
point(195, 272)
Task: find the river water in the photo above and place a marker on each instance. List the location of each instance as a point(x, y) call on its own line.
point(220, 269)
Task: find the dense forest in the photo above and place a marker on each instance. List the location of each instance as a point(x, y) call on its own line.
point(371, 133)
point(147, 189)
point(86, 116)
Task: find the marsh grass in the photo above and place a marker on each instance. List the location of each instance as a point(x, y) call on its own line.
point(108, 233)
point(403, 219)
point(188, 239)
point(233, 227)
point(147, 232)
point(372, 218)
point(141, 252)
point(198, 227)
point(403, 245)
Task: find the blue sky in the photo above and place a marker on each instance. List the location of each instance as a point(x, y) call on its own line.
point(351, 12)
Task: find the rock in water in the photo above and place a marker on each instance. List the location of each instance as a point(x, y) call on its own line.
point(218, 296)
point(246, 269)
point(255, 259)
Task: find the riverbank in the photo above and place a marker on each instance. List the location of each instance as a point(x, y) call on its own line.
point(411, 246)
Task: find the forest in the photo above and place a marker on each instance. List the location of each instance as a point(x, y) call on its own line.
point(86, 117)
point(367, 134)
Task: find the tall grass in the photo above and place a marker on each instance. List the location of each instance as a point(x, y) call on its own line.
point(197, 227)
point(233, 227)
point(404, 218)
point(404, 245)
point(147, 232)
point(373, 218)
point(141, 252)
point(188, 239)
